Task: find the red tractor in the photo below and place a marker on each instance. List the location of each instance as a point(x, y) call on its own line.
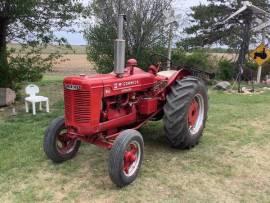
point(108, 109)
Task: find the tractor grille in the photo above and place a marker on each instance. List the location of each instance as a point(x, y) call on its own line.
point(77, 106)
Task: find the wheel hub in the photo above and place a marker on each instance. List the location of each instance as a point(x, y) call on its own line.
point(193, 113)
point(130, 159)
point(196, 114)
point(64, 143)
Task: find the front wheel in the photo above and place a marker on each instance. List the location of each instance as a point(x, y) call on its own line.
point(185, 112)
point(57, 145)
point(126, 157)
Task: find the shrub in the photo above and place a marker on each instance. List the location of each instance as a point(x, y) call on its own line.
point(228, 70)
point(28, 65)
point(179, 57)
point(252, 65)
point(225, 69)
point(200, 60)
point(197, 59)
point(265, 70)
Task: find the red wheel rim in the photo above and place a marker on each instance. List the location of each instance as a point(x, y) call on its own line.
point(193, 113)
point(131, 158)
point(196, 114)
point(64, 144)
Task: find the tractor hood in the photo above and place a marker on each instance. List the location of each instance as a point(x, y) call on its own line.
point(110, 83)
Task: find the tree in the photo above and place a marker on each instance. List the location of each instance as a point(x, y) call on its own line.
point(144, 30)
point(31, 23)
point(235, 34)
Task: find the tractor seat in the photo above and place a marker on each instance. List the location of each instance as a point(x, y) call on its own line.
point(167, 74)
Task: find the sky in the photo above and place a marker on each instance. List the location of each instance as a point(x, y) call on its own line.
point(180, 6)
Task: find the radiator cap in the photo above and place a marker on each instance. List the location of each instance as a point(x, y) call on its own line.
point(132, 63)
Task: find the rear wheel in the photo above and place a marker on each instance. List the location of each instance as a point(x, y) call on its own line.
point(185, 112)
point(57, 145)
point(125, 157)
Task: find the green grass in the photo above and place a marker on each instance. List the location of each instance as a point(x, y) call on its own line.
point(231, 163)
point(47, 78)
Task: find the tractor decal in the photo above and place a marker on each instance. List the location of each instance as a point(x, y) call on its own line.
point(72, 87)
point(119, 85)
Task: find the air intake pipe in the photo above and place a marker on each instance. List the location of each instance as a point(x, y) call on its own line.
point(119, 48)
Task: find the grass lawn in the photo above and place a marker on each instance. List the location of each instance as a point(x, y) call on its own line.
point(231, 163)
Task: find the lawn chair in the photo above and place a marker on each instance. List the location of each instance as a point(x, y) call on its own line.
point(32, 90)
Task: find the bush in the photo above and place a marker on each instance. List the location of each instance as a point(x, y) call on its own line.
point(225, 69)
point(228, 70)
point(252, 65)
point(265, 70)
point(198, 59)
point(28, 65)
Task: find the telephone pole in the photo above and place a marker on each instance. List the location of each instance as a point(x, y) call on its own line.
point(171, 21)
point(170, 46)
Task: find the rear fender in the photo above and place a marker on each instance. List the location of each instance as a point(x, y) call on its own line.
point(178, 76)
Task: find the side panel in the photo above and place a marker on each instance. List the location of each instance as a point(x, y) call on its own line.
point(130, 83)
point(148, 106)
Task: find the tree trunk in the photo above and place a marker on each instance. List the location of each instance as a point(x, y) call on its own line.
point(4, 71)
point(246, 35)
point(244, 48)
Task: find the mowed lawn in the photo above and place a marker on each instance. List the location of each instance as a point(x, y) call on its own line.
point(231, 163)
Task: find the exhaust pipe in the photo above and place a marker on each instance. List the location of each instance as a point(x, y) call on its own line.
point(119, 48)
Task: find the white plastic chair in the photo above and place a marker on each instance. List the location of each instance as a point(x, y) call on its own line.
point(32, 90)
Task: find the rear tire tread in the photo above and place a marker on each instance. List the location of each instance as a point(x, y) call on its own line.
point(176, 109)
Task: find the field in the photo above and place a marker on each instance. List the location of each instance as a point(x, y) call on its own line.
point(72, 64)
point(231, 163)
point(75, 60)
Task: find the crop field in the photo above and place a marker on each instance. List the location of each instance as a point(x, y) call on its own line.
point(72, 64)
point(231, 163)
